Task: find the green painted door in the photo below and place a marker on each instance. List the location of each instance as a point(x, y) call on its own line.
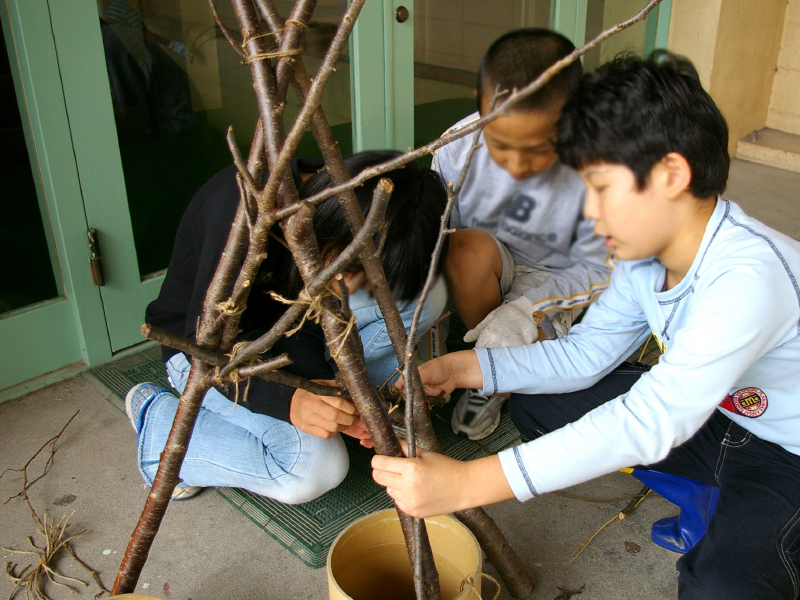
point(50, 313)
point(150, 90)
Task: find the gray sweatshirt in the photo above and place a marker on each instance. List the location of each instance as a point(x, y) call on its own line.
point(539, 219)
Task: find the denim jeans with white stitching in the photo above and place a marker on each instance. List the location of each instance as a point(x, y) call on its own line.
point(751, 548)
point(234, 447)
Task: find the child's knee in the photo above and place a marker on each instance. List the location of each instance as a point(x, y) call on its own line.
point(329, 467)
point(473, 254)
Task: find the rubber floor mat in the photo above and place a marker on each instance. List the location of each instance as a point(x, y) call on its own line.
point(306, 530)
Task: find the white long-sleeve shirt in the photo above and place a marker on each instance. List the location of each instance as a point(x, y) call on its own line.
point(730, 332)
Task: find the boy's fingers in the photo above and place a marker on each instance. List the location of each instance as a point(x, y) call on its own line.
point(389, 464)
point(387, 479)
point(404, 447)
point(341, 404)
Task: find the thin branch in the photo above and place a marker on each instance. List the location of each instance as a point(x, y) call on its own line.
point(513, 98)
point(26, 485)
point(239, 161)
point(162, 336)
point(635, 501)
point(225, 31)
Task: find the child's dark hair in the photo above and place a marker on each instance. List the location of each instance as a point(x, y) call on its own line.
point(517, 58)
point(633, 112)
point(413, 216)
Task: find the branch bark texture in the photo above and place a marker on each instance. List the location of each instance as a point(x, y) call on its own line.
point(274, 67)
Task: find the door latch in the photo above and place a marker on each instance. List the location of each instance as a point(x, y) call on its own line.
point(95, 260)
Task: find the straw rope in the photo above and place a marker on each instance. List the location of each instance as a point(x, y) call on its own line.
point(469, 581)
point(314, 313)
point(233, 376)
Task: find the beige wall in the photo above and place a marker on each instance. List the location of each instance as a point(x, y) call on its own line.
point(692, 32)
point(744, 66)
point(734, 45)
point(457, 33)
point(784, 106)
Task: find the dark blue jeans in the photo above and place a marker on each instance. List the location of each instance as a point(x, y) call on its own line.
point(751, 549)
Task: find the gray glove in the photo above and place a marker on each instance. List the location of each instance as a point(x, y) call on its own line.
point(514, 324)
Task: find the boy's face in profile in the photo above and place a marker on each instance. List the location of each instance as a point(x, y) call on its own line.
point(635, 223)
point(522, 143)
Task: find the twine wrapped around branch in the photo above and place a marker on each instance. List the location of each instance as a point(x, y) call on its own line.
point(230, 308)
point(234, 376)
point(314, 313)
point(274, 53)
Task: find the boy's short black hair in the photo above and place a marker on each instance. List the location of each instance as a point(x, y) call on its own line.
point(518, 57)
point(633, 112)
point(413, 218)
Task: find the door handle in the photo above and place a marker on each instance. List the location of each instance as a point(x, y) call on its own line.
point(95, 260)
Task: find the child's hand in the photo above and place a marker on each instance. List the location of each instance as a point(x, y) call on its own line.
point(322, 416)
point(434, 484)
point(448, 372)
point(425, 486)
point(359, 431)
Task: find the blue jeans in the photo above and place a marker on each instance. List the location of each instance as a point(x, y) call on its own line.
point(234, 447)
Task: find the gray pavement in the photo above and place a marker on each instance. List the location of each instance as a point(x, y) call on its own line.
point(207, 550)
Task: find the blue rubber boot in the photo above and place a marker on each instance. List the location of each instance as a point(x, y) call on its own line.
point(696, 501)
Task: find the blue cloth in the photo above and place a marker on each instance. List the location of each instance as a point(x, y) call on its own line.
point(234, 447)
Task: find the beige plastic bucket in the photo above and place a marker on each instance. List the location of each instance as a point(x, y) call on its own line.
point(369, 561)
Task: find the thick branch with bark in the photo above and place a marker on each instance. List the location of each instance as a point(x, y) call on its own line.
point(262, 205)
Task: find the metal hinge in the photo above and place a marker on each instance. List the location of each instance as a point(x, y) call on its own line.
point(95, 260)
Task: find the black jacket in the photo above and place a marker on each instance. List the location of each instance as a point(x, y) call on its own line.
point(199, 243)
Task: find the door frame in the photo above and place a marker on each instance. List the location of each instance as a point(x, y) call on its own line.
point(87, 94)
point(47, 336)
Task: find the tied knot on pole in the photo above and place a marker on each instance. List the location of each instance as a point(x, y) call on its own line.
point(230, 308)
point(471, 578)
point(233, 376)
point(314, 312)
point(249, 58)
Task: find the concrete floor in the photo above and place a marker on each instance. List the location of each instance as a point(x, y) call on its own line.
point(207, 550)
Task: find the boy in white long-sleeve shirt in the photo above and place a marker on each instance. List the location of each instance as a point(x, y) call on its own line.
point(720, 292)
point(522, 243)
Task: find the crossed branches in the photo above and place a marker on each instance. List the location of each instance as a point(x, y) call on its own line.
point(274, 67)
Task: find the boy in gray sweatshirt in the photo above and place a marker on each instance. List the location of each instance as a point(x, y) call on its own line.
point(522, 243)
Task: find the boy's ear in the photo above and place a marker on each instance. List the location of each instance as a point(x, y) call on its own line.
point(676, 175)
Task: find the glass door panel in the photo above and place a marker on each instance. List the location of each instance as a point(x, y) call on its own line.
point(450, 38)
point(25, 244)
point(176, 86)
point(336, 97)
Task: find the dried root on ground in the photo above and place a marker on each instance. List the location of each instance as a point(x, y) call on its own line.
point(33, 577)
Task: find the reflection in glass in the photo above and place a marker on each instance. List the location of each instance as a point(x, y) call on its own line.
point(27, 268)
point(176, 87)
point(450, 38)
point(602, 14)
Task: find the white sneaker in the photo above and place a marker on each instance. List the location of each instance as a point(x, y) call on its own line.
point(476, 416)
point(137, 400)
point(185, 493)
